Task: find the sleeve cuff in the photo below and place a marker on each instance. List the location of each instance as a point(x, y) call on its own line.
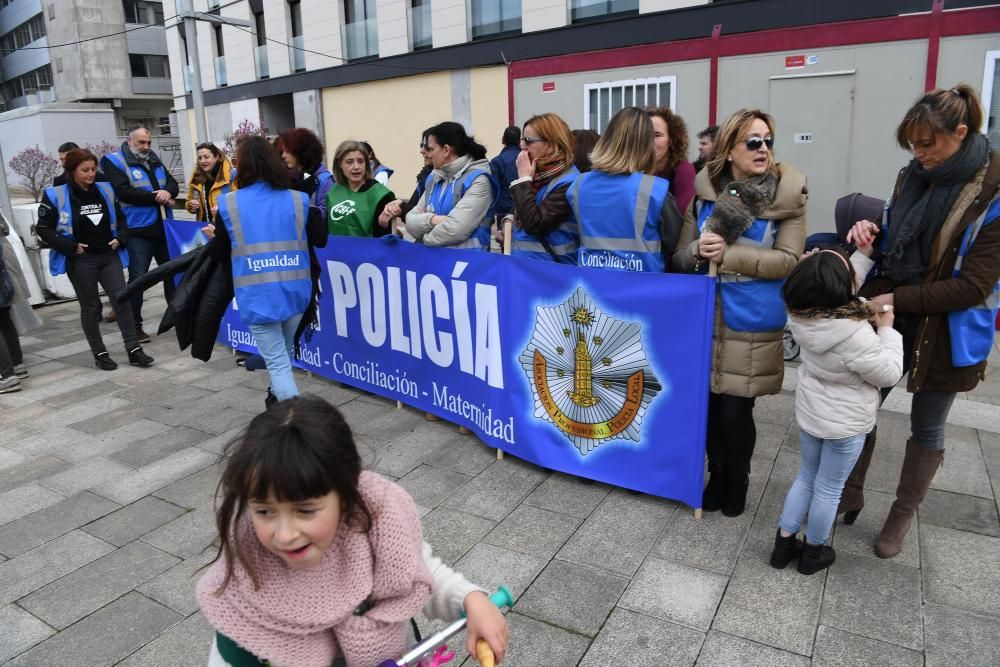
point(523, 179)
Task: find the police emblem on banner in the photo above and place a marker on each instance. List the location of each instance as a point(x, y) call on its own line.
point(588, 372)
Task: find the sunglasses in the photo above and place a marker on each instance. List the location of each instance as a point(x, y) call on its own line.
point(528, 142)
point(754, 143)
point(423, 146)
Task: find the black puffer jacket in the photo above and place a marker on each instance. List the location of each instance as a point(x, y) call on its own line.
point(199, 302)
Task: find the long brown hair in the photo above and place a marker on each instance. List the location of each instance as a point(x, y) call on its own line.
point(731, 133)
point(626, 147)
point(200, 176)
point(677, 132)
point(941, 111)
point(258, 161)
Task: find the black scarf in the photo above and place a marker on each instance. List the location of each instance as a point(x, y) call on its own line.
point(919, 210)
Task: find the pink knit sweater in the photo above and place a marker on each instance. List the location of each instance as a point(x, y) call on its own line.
point(305, 617)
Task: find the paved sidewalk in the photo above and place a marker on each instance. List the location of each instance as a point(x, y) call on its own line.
point(106, 491)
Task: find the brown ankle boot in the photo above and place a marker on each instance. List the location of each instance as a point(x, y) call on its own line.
point(919, 467)
point(853, 498)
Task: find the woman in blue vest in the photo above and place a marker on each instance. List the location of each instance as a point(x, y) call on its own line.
point(456, 209)
point(302, 152)
point(748, 216)
point(268, 231)
point(935, 258)
point(544, 226)
point(627, 217)
point(83, 224)
point(380, 172)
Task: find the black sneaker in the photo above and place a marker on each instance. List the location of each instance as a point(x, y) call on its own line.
point(137, 357)
point(141, 336)
point(105, 362)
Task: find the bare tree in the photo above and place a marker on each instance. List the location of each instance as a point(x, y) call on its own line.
point(36, 169)
point(246, 128)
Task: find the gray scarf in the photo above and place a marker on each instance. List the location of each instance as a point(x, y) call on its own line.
point(919, 210)
point(740, 203)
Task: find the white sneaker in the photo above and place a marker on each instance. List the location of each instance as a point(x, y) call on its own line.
point(21, 371)
point(9, 384)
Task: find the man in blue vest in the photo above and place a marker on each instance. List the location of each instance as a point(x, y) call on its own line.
point(145, 189)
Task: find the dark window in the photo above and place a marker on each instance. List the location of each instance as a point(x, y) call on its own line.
point(358, 10)
point(220, 49)
point(143, 12)
point(149, 67)
point(258, 19)
point(295, 17)
point(495, 17)
point(138, 64)
point(583, 10)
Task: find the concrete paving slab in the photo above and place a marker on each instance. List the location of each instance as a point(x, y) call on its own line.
point(186, 535)
point(187, 643)
point(491, 566)
point(9, 459)
point(452, 533)
point(138, 483)
point(410, 450)
point(67, 600)
point(113, 440)
point(573, 597)
point(875, 599)
point(628, 638)
point(30, 470)
point(24, 500)
point(104, 637)
point(619, 534)
point(779, 608)
point(429, 486)
point(37, 528)
point(50, 441)
point(950, 578)
point(964, 470)
point(538, 644)
point(960, 512)
point(36, 568)
point(133, 521)
point(860, 538)
point(174, 588)
point(468, 456)
point(956, 637)
point(533, 531)
point(84, 476)
point(676, 593)
point(194, 490)
point(21, 631)
point(722, 650)
point(568, 495)
point(154, 448)
point(835, 648)
point(497, 490)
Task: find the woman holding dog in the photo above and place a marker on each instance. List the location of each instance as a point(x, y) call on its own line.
point(748, 218)
point(935, 258)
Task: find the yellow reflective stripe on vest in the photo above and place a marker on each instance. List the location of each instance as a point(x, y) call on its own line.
point(271, 277)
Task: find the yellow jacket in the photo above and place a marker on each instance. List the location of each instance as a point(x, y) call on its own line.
point(225, 182)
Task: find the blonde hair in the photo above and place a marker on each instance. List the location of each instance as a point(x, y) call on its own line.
point(626, 147)
point(730, 134)
point(345, 147)
point(942, 111)
point(556, 132)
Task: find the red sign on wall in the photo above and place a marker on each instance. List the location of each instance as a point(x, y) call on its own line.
point(795, 62)
point(548, 86)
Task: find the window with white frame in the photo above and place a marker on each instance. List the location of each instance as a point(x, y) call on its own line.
point(991, 97)
point(603, 100)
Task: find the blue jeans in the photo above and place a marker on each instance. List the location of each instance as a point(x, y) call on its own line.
point(816, 491)
point(276, 343)
point(142, 251)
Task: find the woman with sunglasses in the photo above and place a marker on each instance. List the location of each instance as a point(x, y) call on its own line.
point(748, 217)
point(544, 226)
point(398, 208)
point(936, 259)
point(456, 208)
point(213, 177)
point(627, 217)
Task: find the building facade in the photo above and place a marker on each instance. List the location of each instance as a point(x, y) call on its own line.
point(83, 70)
point(836, 75)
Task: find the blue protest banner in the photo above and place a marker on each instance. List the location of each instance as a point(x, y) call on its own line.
point(596, 373)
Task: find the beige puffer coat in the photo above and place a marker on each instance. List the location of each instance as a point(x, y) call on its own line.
point(746, 363)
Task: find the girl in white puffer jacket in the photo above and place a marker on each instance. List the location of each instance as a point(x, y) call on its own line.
point(845, 360)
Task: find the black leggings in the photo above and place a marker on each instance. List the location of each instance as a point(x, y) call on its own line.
point(10, 346)
point(85, 272)
point(732, 434)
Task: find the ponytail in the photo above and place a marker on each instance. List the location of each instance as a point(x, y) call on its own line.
point(942, 111)
point(453, 134)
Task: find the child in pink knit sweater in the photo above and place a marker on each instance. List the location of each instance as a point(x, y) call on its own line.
point(322, 563)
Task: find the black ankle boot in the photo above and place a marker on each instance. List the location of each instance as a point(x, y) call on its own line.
point(270, 399)
point(715, 491)
point(816, 557)
point(104, 361)
point(137, 357)
point(786, 549)
point(737, 483)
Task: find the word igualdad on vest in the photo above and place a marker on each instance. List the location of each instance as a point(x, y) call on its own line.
point(273, 262)
point(422, 315)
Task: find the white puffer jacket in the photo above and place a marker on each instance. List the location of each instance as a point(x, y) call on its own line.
point(844, 363)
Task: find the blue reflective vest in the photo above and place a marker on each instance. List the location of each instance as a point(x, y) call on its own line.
point(564, 239)
point(59, 196)
point(619, 219)
point(383, 169)
point(973, 329)
point(137, 216)
point(267, 229)
point(748, 303)
point(441, 197)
